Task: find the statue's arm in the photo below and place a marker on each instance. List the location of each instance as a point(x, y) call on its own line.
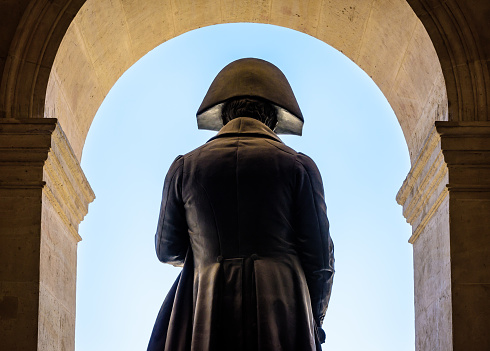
point(314, 244)
point(171, 238)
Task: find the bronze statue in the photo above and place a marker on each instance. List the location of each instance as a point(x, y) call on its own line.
point(245, 215)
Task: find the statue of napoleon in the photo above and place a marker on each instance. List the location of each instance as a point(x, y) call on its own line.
point(245, 215)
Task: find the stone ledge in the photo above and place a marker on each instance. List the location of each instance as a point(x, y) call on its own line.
point(424, 189)
point(455, 158)
point(35, 154)
point(24, 146)
point(466, 149)
point(66, 187)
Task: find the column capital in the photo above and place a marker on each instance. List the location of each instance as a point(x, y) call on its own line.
point(34, 153)
point(466, 149)
point(24, 147)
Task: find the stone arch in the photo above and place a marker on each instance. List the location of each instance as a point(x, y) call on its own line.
point(463, 50)
point(106, 38)
point(37, 28)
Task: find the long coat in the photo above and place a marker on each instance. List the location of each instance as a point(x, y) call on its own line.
point(247, 215)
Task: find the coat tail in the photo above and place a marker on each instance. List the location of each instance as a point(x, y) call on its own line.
point(173, 327)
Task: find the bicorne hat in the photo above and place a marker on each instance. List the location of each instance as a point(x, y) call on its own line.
point(251, 77)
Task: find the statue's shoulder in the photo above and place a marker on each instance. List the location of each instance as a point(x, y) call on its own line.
point(307, 162)
point(304, 157)
point(177, 163)
point(195, 152)
point(281, 146)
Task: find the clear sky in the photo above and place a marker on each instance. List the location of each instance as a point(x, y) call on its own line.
point(148, 118)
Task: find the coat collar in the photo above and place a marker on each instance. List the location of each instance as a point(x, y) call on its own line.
point(246, 125)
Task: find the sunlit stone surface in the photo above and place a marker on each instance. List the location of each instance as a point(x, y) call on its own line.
point(59, 59)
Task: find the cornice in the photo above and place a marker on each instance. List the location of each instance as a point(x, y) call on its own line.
point(24, 147)
point(455, 159)
point(424, 189)
point(35, 154)
point(466, 149)
point(66, 188)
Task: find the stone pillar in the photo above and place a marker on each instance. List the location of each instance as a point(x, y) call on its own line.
point(466, 149)
point(446, 200)
point(424, 197)
point(43, 197)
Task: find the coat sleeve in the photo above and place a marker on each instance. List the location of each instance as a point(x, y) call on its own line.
point(314, 245)
point(171, 238)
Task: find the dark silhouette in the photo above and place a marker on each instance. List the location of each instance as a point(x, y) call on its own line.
point(245, 215)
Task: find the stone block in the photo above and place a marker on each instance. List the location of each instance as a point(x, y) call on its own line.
point(342, 25)
point(110, 57)
point(383, 39)
point(435, 109)
point(70, 96)
point(58, 260)
point(253, 11)
point(24, 317)
point(302, 16)
point(414, 84)
point(471, 316)
point(150, 23)
point(58, 105)
point(189, 15)
point(470, 242)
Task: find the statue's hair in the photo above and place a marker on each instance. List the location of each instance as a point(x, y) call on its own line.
point(261, 110)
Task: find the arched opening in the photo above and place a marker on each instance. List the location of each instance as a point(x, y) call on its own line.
point(148, 118)
point(445, 196)
point(106, 38)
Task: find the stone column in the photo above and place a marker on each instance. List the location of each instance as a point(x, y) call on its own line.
point(446, 200)
point(466, 149)
point(43, 197)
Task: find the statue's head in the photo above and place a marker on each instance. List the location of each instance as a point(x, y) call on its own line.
point(257, 87)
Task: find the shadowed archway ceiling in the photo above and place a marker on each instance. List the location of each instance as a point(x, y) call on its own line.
point(384, 37)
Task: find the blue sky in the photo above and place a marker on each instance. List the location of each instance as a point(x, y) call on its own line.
point(148, 118)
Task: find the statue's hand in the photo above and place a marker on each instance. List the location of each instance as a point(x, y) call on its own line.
point(320, 334)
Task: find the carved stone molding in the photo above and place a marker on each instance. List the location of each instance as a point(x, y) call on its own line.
point(455, 158)
point(66, 186)
point(458, 32)
point(34, 153)
point(31, 54)
point(24, 147)
point(424, 189)
point(466, 148)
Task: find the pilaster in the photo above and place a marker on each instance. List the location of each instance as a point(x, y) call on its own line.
point(43, 197)
point(425, 200)
point(466, 149)
point(446, 199)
